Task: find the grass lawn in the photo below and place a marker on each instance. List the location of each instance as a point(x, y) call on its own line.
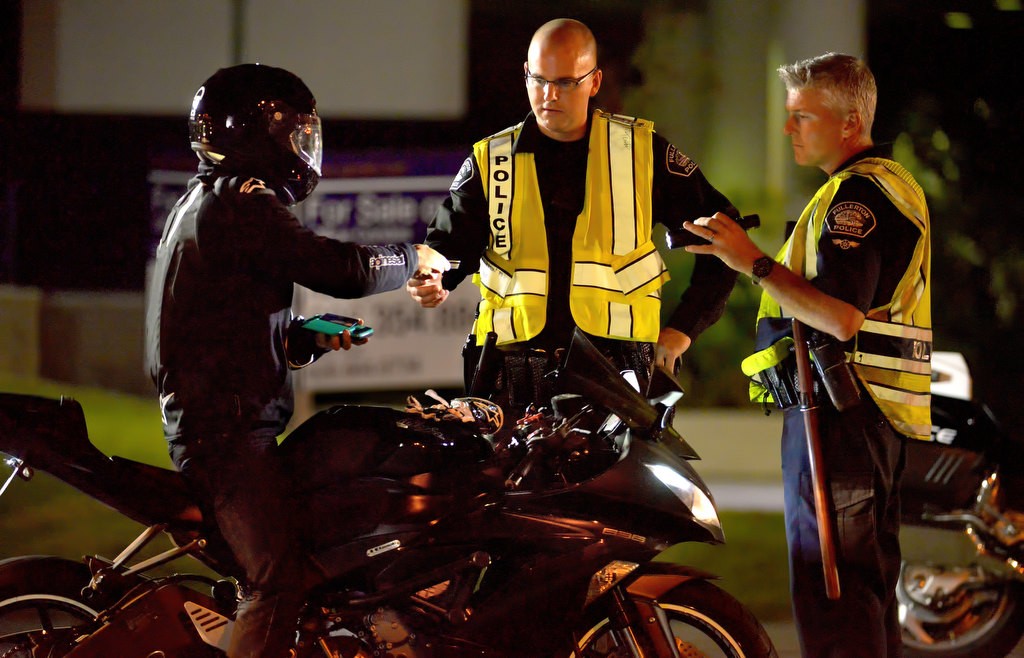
point(46, 516)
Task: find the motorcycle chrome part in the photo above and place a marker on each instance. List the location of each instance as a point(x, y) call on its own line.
point(1005, 563)
point(213, 627)
point(142, 540)
point(165, 557)
point(941, 590)
point(116, 567)
point(937, 619)
point(391, 634)
point(18, 469)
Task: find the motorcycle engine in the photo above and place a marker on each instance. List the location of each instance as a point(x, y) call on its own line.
point(381, 634)
point(392, 637)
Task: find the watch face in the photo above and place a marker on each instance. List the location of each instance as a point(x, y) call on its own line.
point(762, 266)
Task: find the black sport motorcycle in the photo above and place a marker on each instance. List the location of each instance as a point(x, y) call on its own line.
point(449, 540)
point(967, 597)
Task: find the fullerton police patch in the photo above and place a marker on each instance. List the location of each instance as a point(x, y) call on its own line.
point(678, 162)
point(850, 219)
point(465, 173)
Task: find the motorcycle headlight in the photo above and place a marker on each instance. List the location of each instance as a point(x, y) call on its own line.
point(688, 494)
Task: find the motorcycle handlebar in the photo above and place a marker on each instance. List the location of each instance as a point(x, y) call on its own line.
point(544, 440)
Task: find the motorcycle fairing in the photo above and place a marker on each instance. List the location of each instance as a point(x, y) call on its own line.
point(629, 495)
point(944, 474)
point(51, 435)
point(153, 623)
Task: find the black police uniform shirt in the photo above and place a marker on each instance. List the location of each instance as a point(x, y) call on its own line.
point(218, 304)
point(862, 271)
point(680, 192)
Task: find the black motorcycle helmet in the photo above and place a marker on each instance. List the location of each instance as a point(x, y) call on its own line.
point(261, 121)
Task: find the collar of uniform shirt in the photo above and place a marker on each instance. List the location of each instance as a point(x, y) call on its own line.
point(876, 151)
point(531, 135)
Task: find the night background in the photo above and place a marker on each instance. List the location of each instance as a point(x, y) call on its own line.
point(75, 211)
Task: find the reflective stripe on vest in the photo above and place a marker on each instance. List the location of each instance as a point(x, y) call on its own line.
point(892, 349)
point(631, 277)
point(617, 271)
point(506, 284)
point(623, 185)
point(894, 362)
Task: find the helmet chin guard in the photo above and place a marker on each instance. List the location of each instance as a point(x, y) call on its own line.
point(261, 121)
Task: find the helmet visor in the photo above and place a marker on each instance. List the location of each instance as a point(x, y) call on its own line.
point(306, 140)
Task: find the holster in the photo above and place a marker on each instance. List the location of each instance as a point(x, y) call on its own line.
point(774, 368)
point(781, 382)
point(773, 371)
point(834, 372)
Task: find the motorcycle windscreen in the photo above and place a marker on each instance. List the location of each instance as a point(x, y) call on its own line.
point(587, 372)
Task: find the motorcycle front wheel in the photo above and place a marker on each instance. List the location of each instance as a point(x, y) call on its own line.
point(41, 605)
point(706, 622)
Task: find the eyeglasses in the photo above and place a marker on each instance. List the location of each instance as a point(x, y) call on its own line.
point(563, 84)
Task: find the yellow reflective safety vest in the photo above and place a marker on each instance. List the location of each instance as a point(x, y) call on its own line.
point(892, 350)
point(617, 272)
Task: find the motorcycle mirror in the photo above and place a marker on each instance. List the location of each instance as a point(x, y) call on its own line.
point(664, 388)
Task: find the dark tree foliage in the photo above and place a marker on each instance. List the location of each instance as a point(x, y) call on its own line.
point(950, 97)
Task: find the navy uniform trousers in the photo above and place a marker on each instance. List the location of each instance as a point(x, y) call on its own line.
point(864, 459)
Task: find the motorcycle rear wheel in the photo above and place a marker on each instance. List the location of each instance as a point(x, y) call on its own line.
point(706, 622)
point(41, 605)
point(992, 629)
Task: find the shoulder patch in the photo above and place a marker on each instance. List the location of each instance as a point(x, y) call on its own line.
point(678, 163)
point(851, 219)
point(252, 185)
point(465, 173)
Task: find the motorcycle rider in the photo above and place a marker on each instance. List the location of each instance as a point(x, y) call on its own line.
point(856, 269)
point(220, 336)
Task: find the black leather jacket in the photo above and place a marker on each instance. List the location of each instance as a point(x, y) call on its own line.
point(218, 306)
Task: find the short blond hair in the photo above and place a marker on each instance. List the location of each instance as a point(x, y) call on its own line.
point(845, 81)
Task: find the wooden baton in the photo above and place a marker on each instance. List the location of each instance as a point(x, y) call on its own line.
point(822, 500)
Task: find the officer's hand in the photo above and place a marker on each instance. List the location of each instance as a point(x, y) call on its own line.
point(426, 290)
point(342, 341)
point(671, 345)
point(728, 241)
point(430, 261)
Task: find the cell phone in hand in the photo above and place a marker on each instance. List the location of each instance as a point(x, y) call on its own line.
point(332, 325)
